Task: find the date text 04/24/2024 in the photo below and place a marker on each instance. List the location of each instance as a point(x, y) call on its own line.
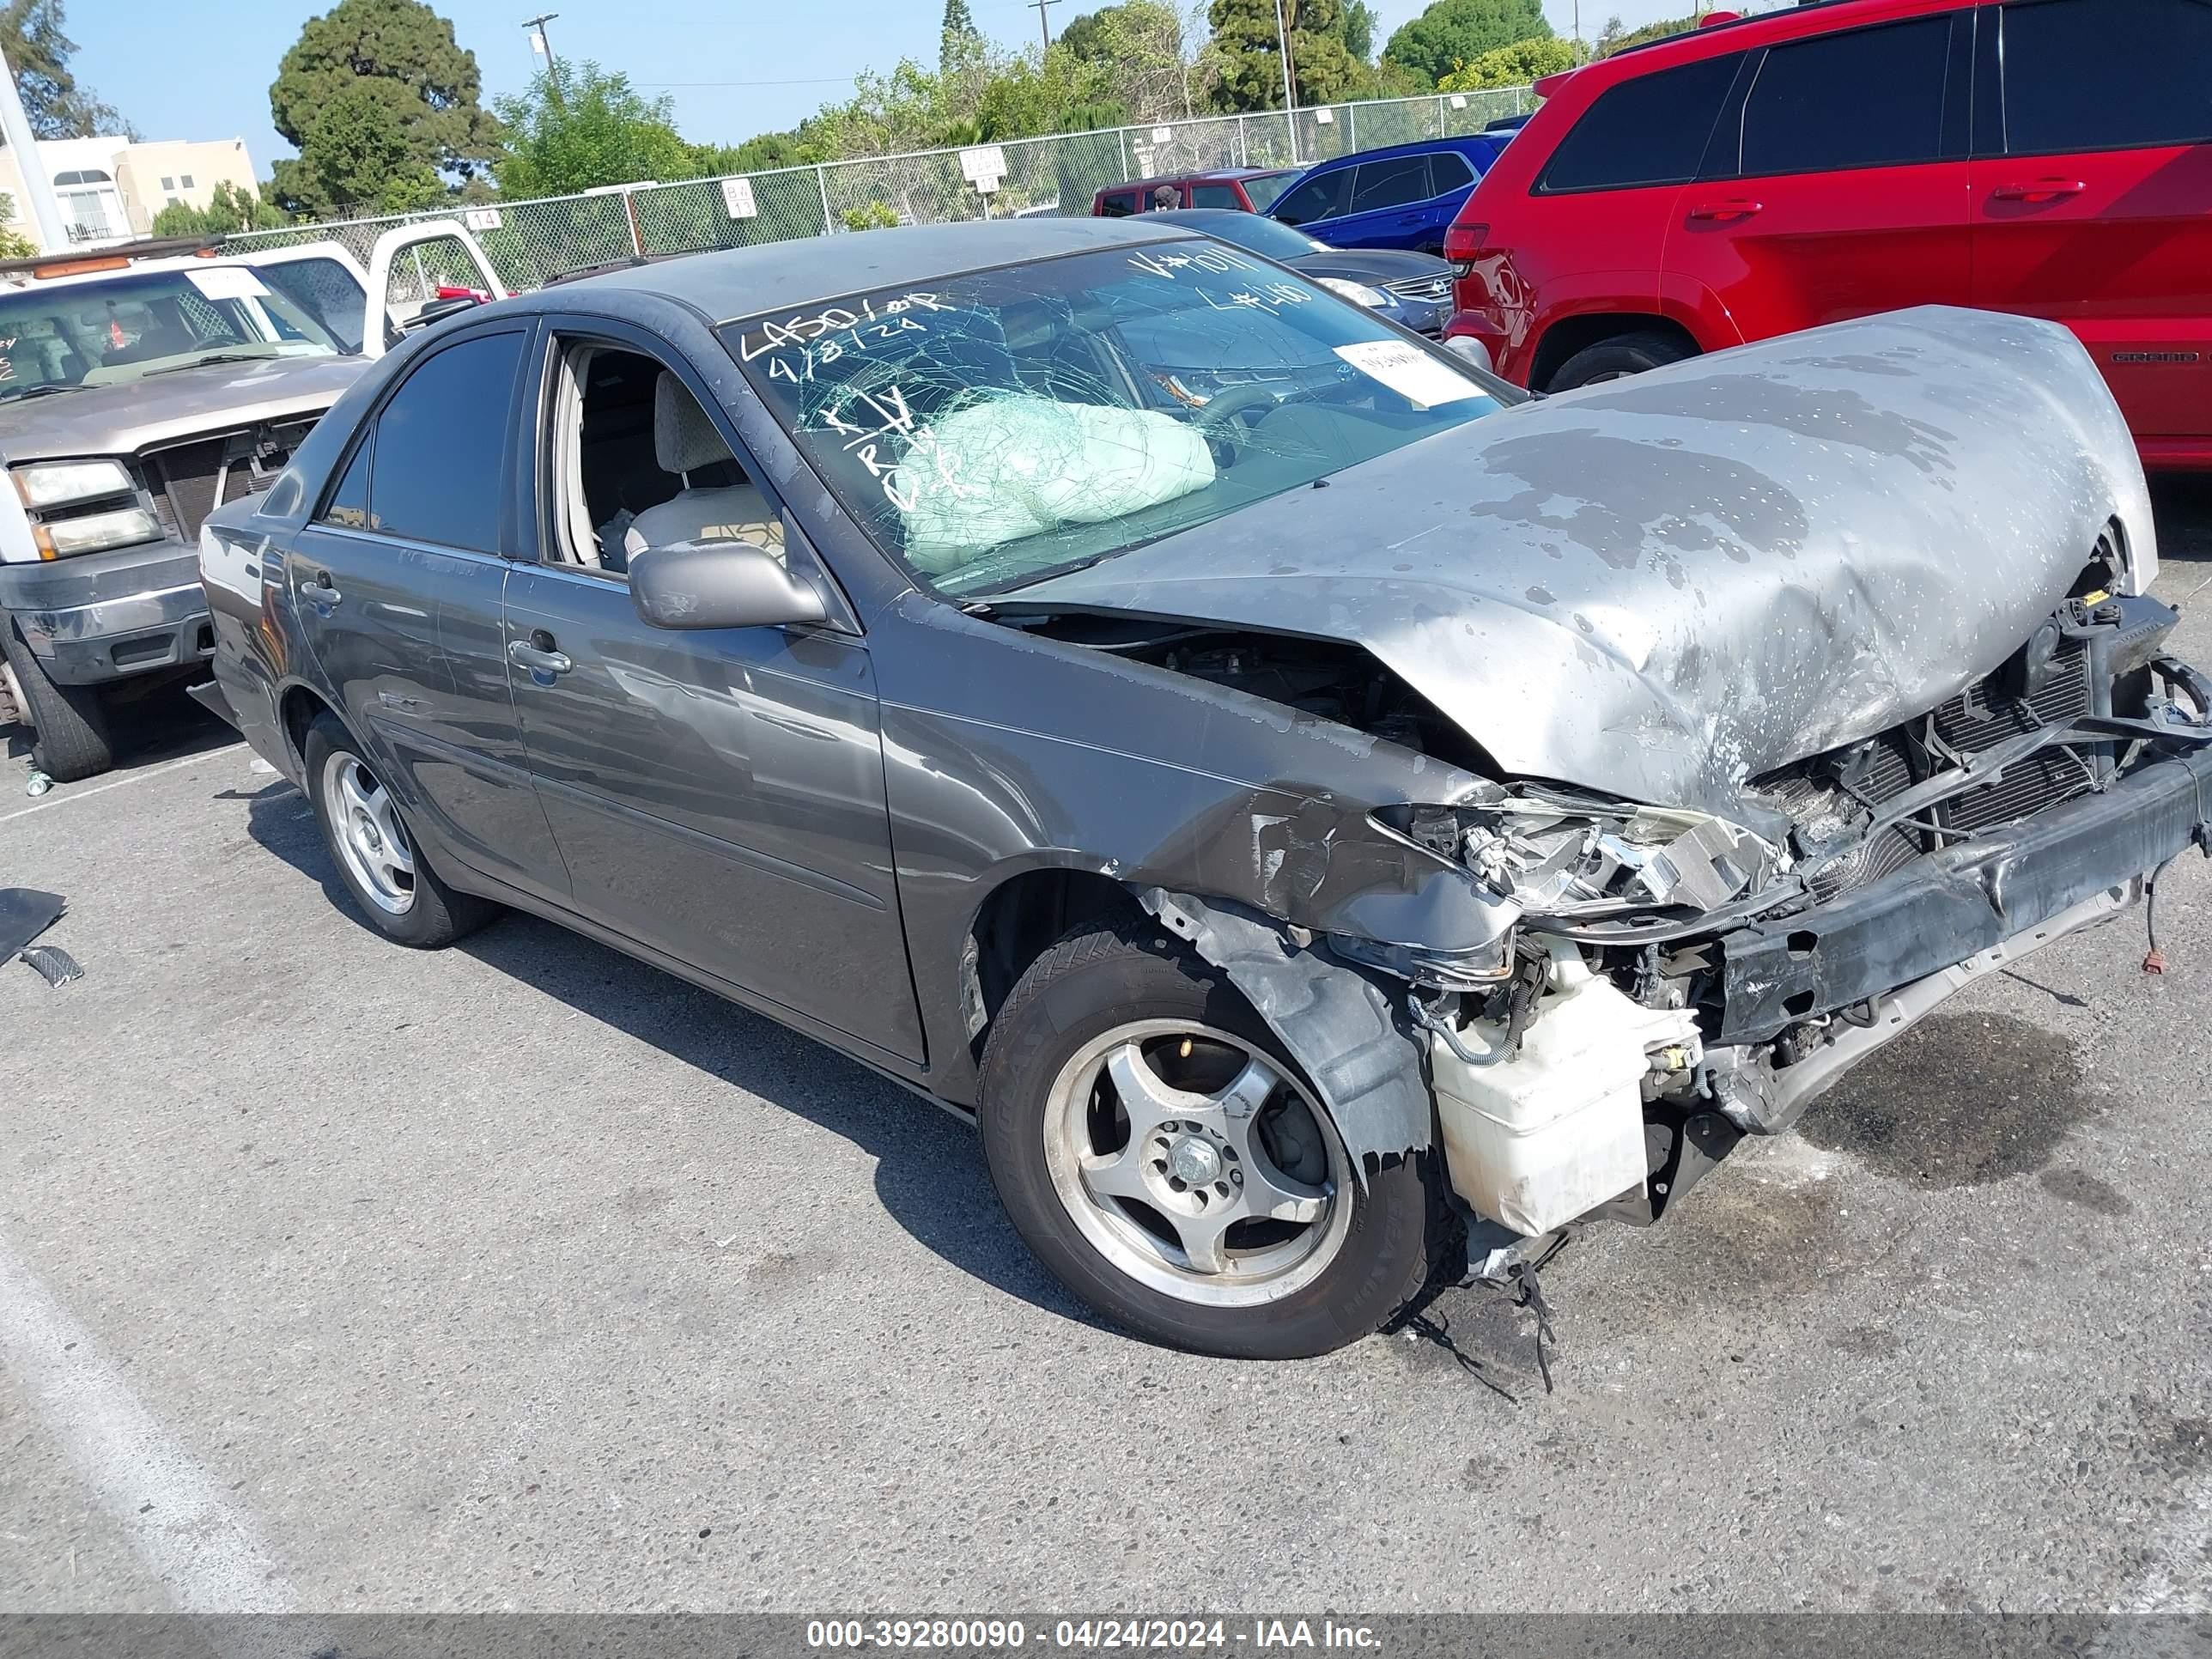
point(1009, 1635)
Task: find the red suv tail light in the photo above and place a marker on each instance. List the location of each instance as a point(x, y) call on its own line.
point(1463, 242)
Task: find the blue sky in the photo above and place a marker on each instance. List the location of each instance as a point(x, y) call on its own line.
point(178, 73)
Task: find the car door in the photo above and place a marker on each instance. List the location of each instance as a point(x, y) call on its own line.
point(1321, 195)
point(717, 795)
point(1837, 185)
point(1385, 208)
point(2093, 195)
point(396, 581)
point(406, 267)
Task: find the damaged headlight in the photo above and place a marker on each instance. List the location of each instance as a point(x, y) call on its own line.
point(1584, 860)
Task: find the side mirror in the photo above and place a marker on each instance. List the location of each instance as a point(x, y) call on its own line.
point(720, 585)
point(438, 310)
point(1472, 350)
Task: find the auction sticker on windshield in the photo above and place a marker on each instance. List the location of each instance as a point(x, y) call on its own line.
point(1410, 372)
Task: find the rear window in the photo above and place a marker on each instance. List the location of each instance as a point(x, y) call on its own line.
point(1448, 171)
point(1390, 184)
point(1120, 205)
point(1869, 98)
point(1650, 131)
point(2084, 75)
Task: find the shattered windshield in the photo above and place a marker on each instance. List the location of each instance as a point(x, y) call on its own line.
point(130, 325)
point(993, 428)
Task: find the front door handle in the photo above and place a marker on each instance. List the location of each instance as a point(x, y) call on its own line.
point(320, 590)
point(537, 655)
point(2041, 190)
point(1723, 212)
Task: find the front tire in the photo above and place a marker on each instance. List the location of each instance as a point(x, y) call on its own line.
point(1160, 1153)
point(69, 723)
point(393, 884)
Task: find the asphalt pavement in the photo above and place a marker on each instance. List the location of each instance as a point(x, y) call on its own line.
point(334, 1276)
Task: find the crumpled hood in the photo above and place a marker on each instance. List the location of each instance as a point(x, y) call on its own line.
point(120, 420)
point(1660, 588)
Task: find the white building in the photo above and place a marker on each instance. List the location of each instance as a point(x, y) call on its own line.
point(109, 189)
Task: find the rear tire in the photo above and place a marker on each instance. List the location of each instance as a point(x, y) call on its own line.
point(384, 869)
point(1620, 357)
point(1223, 1125)
point(69, 723)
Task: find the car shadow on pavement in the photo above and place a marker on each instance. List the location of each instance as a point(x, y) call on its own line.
point(164, 725)
point(2182, 504)
point(930, 1175)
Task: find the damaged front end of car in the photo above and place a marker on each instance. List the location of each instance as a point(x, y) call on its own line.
point(1661, 982)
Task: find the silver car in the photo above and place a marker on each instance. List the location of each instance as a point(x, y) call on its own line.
point(1319, 811)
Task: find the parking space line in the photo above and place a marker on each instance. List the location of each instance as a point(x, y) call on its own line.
point(101, 788)
point(203, 1549)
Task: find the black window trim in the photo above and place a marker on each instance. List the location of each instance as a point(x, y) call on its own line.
point(364, 433)
point(1735, 109)
point(1543, 187)
point(1998, 130)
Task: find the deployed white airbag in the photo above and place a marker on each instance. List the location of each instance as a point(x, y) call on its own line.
point(997, 471)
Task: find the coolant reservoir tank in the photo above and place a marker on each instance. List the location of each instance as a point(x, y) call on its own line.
point(1540, 1138)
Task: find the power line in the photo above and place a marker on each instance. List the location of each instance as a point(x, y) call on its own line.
point(820, 81)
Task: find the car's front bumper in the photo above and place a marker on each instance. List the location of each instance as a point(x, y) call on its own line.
point(1948, 907)
point(101, 617)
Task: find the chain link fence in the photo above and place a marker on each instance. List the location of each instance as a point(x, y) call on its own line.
point(530, 243)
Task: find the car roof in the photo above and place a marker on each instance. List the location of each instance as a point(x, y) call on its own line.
point(1215, 175)
point(1419, 146)
point(1808, 17)
point(739, 281)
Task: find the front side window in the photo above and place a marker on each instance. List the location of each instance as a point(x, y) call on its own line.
point(1650, 131)
point(636, 464)
point(1867, 98)
point(1215, 196)
point(2087, 75)
point(136, 325)
point(1325, 196)
point(442, 443)
point(1119, 205)
point(1390, 184)
point(990, 429)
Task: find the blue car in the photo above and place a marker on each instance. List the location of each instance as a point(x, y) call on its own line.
point(1402, 197)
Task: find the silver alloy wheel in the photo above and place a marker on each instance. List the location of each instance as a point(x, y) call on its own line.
point(370, 837)
point(1164, 1203)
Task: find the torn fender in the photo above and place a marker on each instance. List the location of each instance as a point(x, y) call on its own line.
point(1340, 1025)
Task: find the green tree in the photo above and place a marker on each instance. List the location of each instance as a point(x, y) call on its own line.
point(1359, 22)
point(1517, 65)
point(31, 35)
point(14, 244)
point(1245, 53)
point(579, 126)
point(228, 212)
point(410, 95)
point(1460, 31)
point(1616, 38)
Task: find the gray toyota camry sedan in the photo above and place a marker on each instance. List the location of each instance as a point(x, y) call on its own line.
point(1323, 814)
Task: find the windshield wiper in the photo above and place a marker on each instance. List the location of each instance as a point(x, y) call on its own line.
point(212, 357)
point(30, 392)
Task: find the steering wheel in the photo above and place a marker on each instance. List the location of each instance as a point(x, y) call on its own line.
point(1218, 420)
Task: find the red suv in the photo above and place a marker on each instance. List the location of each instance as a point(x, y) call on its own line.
point(1247, 189)
point(2050, 157)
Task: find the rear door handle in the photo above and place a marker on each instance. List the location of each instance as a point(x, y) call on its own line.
point(1721, 212)
point(2043, 190)
point(320, 590)
point(537, 655)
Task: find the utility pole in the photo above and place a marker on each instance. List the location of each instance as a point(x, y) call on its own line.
point(45, 213)
point(1290, 96)
point(541, 42)
point(1044, 19)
